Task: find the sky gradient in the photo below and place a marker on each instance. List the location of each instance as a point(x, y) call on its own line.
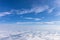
point(29, 14)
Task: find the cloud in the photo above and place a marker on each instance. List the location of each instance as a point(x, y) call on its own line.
point(35, 9)
point(41, 23)
point(24, 11)
point(25, 22)
point(48, 23)
point(4, 13)
point(57, 3)
point(40, 9)
point(37, 35)
point(4, 33)
point(51, 10)
point(29, 18)
point(36, 19)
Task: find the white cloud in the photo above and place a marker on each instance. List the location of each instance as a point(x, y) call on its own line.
point(25, 22)
point(52, 22)
point(56, 4)
point(41, 35)
point(36, 19)
point(40, 9)
point(49, 22)
point(36, 9)
point(4, 13)
point(29, 18)
point(39, 23)
point(51, 10)
point(24, 11)
point(4, 33)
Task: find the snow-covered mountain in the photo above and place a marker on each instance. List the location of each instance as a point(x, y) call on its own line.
point(37, 35)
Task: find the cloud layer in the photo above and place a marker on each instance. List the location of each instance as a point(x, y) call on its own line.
point(37, 35)
point(39, 23)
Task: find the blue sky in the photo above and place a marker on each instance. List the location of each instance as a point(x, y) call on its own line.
point(19, 14)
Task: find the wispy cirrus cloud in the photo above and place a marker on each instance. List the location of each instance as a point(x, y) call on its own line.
point(40, 8)
point(30, 18)
point(36, 9)
point(57, 5)
point(51, 10)
point(4, 13)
